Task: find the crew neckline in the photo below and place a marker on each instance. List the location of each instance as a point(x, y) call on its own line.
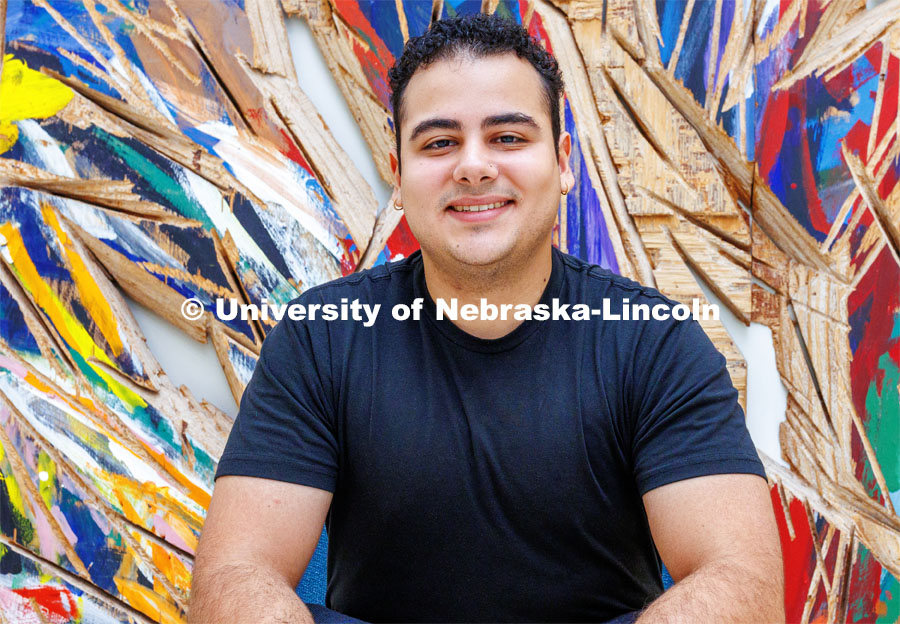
point(485, 345)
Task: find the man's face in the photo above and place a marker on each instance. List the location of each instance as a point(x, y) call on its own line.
point(481, 181)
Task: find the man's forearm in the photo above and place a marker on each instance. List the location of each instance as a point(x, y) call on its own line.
point(726, 591)
point(241, 592)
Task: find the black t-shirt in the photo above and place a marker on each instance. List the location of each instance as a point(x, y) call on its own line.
point(488, 480)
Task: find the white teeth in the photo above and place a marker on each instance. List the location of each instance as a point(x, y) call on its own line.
point(479, 208)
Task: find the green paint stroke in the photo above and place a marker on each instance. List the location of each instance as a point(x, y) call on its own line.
point(868, 480)
point(888, 605)
point(158, 179)
point(883, 421)
point(133, 403)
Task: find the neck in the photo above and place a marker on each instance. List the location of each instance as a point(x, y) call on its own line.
point(515, 283)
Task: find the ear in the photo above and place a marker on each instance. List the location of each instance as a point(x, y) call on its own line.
point(566, 177)
point(395, 172)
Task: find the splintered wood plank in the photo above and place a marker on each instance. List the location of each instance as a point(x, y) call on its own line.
point(237, 361)
point(672, 268)
point(626, 242)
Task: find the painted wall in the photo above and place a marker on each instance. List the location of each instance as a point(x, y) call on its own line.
point(157, 156)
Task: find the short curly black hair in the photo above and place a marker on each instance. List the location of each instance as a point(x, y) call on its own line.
point(480, 35)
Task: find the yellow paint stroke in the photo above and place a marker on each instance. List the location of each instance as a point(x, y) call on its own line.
point(147, 602)
point(68, 326)
point(75, 335)
point(26, 94)
point(48, 486)
point(12, 488)
point(94, 300)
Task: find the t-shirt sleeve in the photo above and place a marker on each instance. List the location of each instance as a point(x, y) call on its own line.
point(688, 422)
point(284, 429)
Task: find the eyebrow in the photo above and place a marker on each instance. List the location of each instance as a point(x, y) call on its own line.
point(495, 120)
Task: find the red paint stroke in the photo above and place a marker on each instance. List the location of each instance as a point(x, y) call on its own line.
point(536, 29)
point(401, 242)
point(817, 217)
point(773, 129)
point(888, 182)
point(290, 149)
point(798, 553)
point(350, 257)
point(783, 7)
point(887, 150)
point(855, 74)
point(374, 62)
point(831, 556)
point(889, 99)
point(55, 601)
point(879, 284)
point(257, 116)
point(857, 138)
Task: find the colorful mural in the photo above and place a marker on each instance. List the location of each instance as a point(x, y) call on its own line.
point(163, 149)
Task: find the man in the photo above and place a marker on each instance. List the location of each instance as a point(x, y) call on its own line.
point(488, 469)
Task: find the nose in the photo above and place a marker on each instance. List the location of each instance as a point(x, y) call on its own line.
point(474, 165)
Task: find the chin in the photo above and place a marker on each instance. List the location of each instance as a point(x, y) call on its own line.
point(481, 257)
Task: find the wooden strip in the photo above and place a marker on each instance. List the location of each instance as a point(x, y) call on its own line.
point(869, 450)
point(404, 24)
point(710, 283)
point(839, 220)
point(737, 53)
point(820, 554)
point(773, 39)
point(113, 194)
point(709, 227)
point(886, 221)
point(627, 245)
point(714, 60)
point(152, 29)
point(47, 339)
point(385, 223)
point(633, 112)
point(270, 54)
point(122, 85)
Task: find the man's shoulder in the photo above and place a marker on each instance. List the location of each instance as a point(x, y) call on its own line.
point(375, 282)
point(600, 281)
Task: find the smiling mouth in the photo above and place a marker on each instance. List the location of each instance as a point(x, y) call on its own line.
point(481, 207)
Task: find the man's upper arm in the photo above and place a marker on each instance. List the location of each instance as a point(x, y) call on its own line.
point(261, 522)
point(715, 518)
